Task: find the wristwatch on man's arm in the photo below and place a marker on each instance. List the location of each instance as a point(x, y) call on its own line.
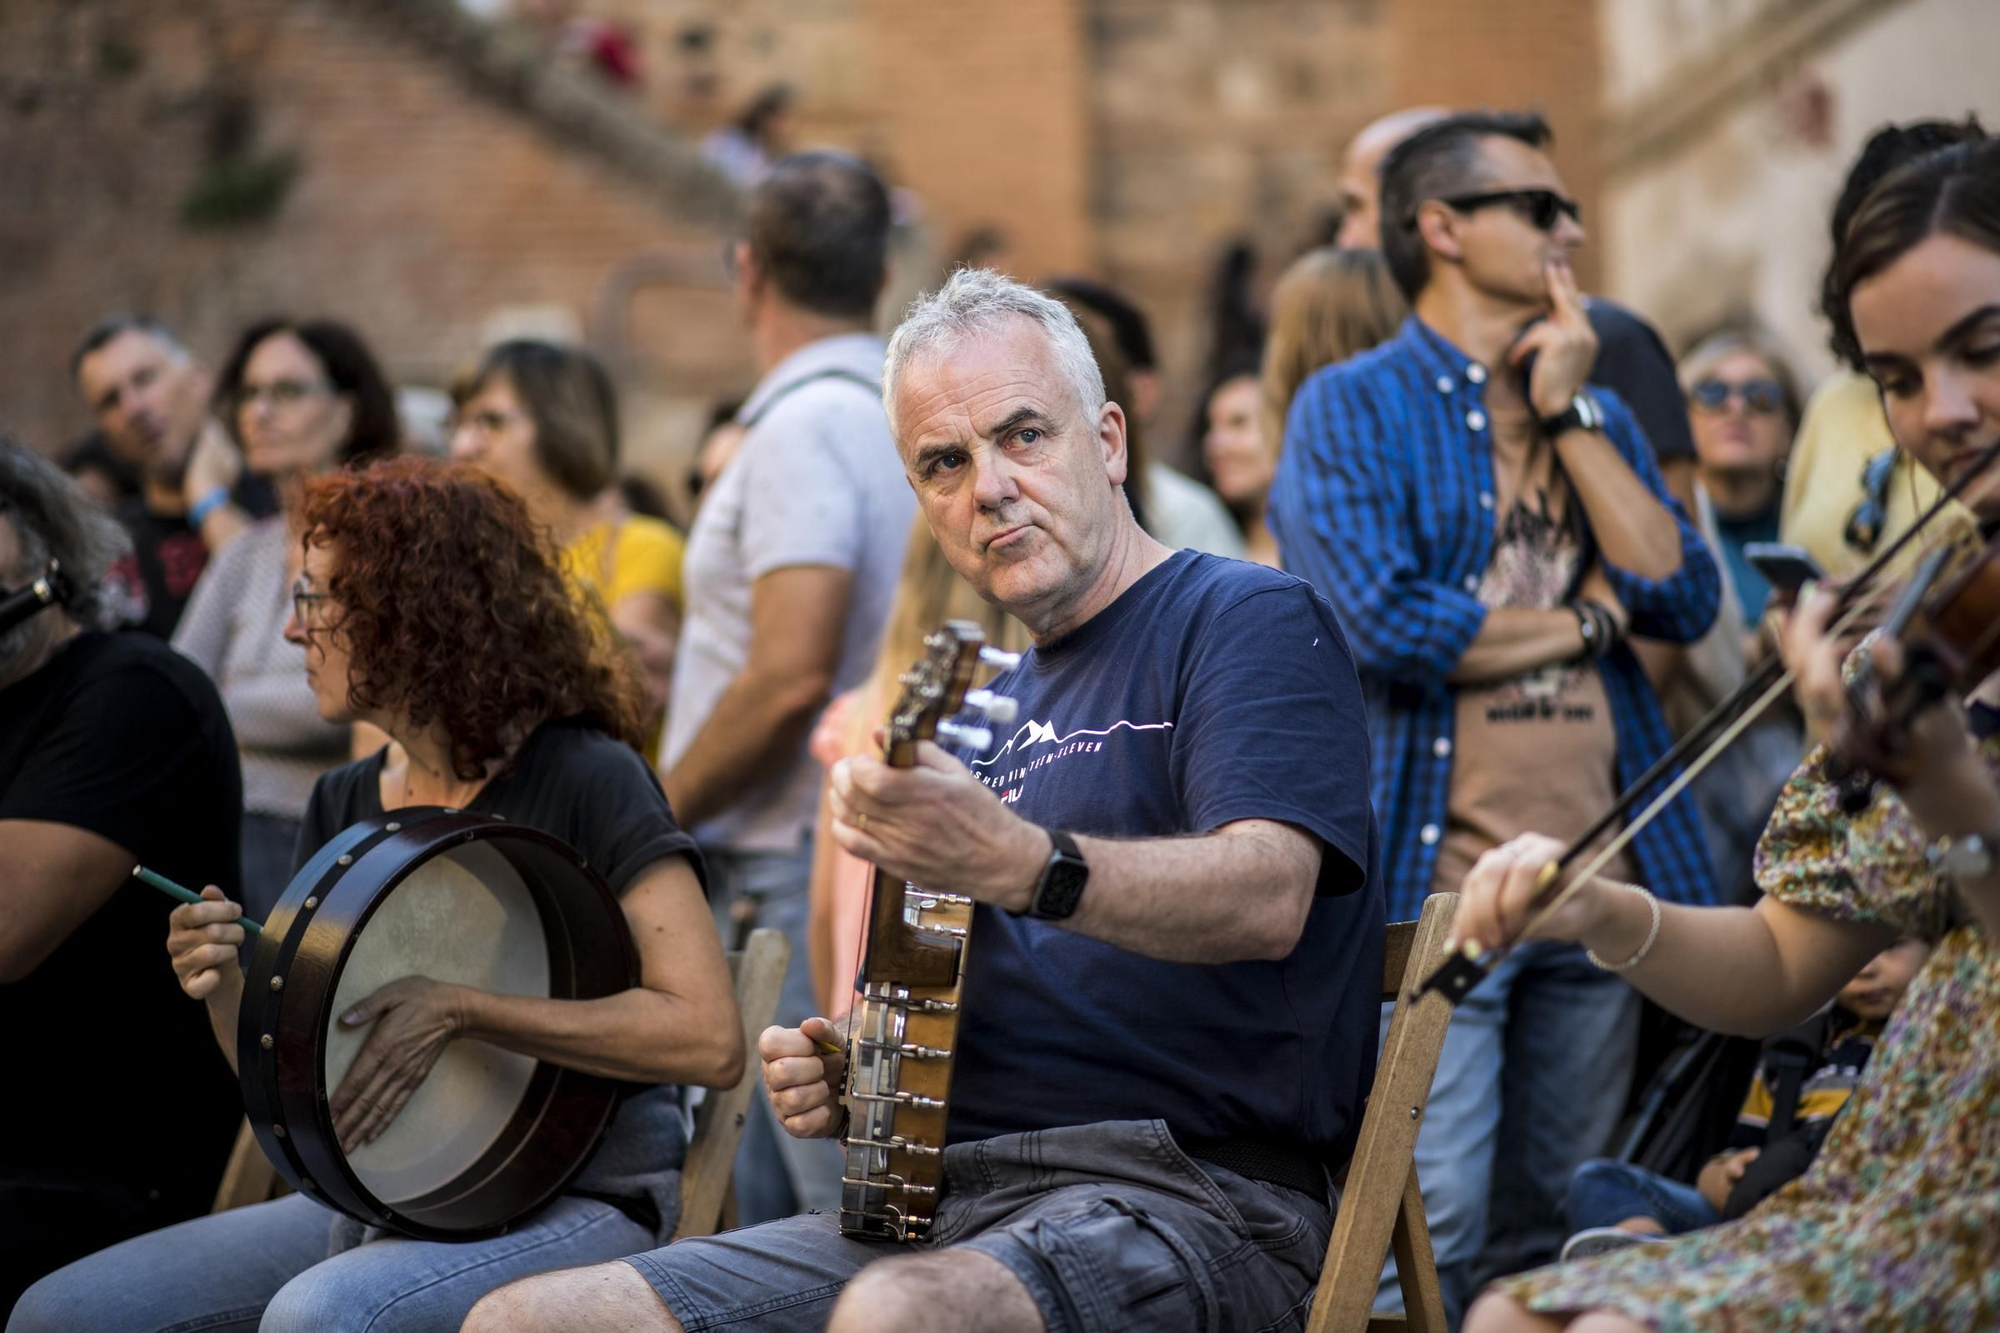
point(1064, 877)
point(1583, 413)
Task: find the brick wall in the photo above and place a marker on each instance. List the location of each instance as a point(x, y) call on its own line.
point(423, 204)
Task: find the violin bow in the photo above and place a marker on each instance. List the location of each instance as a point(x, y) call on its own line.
point(1468, 964)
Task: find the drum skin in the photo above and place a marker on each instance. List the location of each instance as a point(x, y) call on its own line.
point(294, 971)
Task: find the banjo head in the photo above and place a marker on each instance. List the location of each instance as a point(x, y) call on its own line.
point(490, 1135)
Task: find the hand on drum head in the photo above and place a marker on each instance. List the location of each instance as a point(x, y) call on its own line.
point(415, 1019)
point(803, 1078)
point(202, 939)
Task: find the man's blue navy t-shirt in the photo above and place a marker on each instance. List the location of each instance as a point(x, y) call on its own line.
point(1211, 691)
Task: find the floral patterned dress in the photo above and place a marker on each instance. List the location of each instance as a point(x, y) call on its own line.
point(1896, 1224)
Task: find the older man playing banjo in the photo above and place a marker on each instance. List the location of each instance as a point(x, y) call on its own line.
point(1169, 1009)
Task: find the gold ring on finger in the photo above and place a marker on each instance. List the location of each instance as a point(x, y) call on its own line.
point(861, 821)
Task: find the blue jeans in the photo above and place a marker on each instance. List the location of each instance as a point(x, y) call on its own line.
point(1536, 1066)
point(1604, 1193)
point(1110, 1227)
point(776, 1174)
point(266, 1267)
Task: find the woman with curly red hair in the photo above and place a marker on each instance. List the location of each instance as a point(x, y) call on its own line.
point(430, 606)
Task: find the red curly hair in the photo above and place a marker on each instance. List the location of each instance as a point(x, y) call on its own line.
point(456, 611)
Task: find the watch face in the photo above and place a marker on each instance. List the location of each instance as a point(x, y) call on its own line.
point(1062, 887)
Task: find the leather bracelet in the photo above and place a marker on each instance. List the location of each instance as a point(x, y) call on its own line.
point(1653, 933)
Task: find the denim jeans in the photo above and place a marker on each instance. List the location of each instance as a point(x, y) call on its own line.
point(267, 1267)
point(776, 1174)
point(1533, 1077)
point(1604, 1193)
point(1110, 1227)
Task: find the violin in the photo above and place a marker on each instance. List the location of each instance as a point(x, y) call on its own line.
point(1948, 623)
point(1950, 630)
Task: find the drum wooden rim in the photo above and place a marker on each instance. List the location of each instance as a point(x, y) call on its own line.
point(562, 1115)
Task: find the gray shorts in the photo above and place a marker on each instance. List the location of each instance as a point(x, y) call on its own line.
point(1109, 1226)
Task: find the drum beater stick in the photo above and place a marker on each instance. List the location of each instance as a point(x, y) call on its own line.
point(173, 890)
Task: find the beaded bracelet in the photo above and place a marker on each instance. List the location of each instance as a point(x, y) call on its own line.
point(1651, 934)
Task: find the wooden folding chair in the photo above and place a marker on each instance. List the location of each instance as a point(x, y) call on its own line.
point(249, 1177)
point(706, 1196)
point(1380, 1203)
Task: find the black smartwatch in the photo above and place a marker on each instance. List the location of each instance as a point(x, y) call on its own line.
point(1062, 882)
point(1583, 413)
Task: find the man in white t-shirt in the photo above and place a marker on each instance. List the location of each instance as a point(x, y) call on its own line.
point(791, 567)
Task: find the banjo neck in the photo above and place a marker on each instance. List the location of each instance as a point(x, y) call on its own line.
point(905, 1029)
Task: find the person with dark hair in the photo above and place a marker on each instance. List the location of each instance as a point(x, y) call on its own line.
point(721, 435)
point(149, 397)
point(744, 149)
point(1174, 507)
point(103, 475)
point(1236, 452)
point(1849, 491)
point(543, 419)
point(1490, 526)
point(114, 751)
point(1632, 359)
point(429, 605)
point(1893, 1225)
point(299, 398)
point(792, 562)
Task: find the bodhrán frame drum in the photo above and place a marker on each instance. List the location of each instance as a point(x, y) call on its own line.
point(490, 1136)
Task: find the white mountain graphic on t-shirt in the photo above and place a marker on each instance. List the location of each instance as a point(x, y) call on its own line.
point(1032, 732)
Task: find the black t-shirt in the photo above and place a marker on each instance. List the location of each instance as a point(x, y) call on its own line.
point(114, 1082)
point(569, 780)
point(1633, 363)
point(600, 797)
point(1211, 691)
point(159, 576)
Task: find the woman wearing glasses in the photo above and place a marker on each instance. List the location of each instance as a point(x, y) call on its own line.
point(1744, 407)
point(430, 606)
point(301, 398)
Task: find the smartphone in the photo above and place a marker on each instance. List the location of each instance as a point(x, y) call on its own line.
point(1788, 567)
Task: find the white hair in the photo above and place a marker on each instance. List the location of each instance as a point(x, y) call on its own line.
point(974, 300)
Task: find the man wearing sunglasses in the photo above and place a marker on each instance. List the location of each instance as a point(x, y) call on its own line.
point(1488, 526)
point(1632, 360)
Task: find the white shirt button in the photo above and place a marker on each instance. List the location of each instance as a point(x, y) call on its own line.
point(1428, 834)
point(1444, 384)
point(1486, 499)
point(1471, 582)
point(1441, 747)
point(1476, 420)
point(1476, 373)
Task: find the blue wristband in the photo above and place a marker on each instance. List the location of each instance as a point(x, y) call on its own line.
point(207, 505)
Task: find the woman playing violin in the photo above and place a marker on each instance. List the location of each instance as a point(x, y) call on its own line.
point(1897, 1223)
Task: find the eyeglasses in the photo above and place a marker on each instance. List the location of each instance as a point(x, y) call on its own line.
point(1540, 207)
point(305, 603)
point(280, 394)
point(1760, 397)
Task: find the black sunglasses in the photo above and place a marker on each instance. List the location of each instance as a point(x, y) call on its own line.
point(1540, 207)
point(1761, 397)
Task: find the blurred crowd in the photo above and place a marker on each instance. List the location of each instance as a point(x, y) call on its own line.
point(1534, 622)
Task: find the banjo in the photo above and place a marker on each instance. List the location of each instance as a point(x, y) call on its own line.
point(899, 1056)
point(490, 1135)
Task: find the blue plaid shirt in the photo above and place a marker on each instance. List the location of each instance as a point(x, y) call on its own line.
point(1384, 502)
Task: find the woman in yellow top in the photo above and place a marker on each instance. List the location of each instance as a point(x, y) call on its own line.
point(543, 420)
